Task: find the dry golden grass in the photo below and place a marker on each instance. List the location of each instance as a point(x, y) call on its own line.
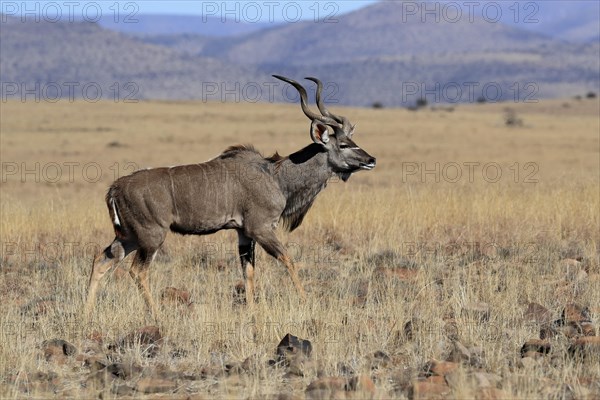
point(470, 241)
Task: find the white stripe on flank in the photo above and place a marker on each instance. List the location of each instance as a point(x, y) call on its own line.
point(116, 216)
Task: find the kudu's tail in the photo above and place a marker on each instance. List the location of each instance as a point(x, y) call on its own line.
point(113, 210)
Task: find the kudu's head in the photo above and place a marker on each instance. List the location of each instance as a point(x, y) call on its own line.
point(334, 134)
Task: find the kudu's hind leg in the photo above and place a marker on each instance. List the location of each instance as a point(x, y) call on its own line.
point(103, 262)
point(139, 273)
point(246, 250)
point(268, 241)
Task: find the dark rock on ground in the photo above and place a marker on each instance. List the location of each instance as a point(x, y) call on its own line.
point(291, 347)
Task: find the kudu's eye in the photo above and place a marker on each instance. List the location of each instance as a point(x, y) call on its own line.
point(344, 146)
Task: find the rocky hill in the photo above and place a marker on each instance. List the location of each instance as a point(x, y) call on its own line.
point(87, 54)
point(374, 54)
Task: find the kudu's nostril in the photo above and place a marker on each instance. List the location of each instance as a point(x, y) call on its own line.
point(372, 160)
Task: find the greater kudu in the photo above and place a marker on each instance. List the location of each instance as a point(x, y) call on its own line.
point(240, 189)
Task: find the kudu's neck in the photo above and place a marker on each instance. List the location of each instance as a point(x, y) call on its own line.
point(304, 172)
point(301, 176)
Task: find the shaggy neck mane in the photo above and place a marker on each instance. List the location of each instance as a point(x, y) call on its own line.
point(301, 176)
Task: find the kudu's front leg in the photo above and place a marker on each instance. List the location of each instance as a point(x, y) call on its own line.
point(268, 241)
point(246, 250)
point(293, 271)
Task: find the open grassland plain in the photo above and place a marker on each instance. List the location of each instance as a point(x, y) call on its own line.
point(465, 265)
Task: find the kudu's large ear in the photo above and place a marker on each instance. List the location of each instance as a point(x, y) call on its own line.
point(319, 133)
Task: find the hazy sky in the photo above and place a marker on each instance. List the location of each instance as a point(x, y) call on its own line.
point(197, 7)
point(546, 11)
point(269, 10)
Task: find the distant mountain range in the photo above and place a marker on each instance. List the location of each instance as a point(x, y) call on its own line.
point(381, 30)
point(574, 21)
point(151, 24)
point(68, 56)
point(374, 54)
point(570, 20)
